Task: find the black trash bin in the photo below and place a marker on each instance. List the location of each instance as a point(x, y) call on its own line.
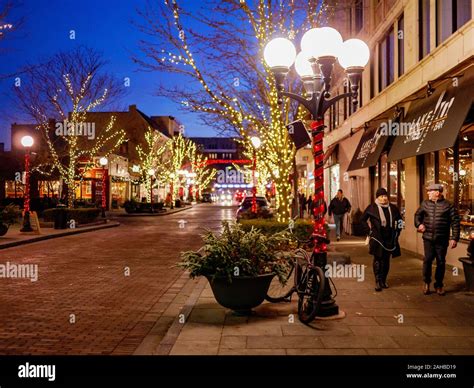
point(60, 217)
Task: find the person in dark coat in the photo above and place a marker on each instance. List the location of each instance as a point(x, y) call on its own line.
point(338, 207)
point(385, 226)
point(302, 203)
point(439, 222)
point(309, 203)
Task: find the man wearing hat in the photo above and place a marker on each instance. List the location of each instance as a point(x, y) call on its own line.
point(439, 222)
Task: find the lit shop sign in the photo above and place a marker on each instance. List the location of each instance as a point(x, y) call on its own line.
point(434, 120)
point(369, 146)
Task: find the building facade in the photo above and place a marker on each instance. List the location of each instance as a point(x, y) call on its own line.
point(122, 171)
point(414, 125)
point(226, 156)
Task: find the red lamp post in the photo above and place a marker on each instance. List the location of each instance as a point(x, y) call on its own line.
point(104, 162)
point(256, 143)
point(27, 142)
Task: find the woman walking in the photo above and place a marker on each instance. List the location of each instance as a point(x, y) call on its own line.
point(385, 226)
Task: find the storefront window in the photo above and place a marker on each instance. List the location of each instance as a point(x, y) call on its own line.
point(333, 180)
point(393, 182)
point(401, 191)
point(119, 192)
point(466, 182)
point(429, 169)
point(446, 172)
point(383, 172)
point(14, 189)
point(375, 178)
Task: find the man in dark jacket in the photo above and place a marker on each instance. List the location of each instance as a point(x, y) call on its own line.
point(439, 222)
point(339, 206)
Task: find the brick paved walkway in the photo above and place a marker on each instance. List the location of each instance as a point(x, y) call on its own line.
point(399, 320)
point(84, 275)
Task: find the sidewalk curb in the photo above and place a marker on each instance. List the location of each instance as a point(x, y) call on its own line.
point(161, 214)
point(57, 235)
point(171, 336)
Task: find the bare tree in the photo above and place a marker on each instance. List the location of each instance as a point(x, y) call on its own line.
point(227, 81)
point(61, 92)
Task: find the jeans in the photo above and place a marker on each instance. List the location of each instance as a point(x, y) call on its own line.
point(434, 250)
point(338, 221)
point(381, 266)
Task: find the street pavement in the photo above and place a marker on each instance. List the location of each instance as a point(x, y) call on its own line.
point(397, 321)
point(117, 291)
point(99, 292)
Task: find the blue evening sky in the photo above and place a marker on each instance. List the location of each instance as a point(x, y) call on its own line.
point(104, 25)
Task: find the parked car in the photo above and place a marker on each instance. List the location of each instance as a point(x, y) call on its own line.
point(245, 208)
point(206, 197)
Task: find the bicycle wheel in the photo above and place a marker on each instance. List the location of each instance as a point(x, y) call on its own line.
point(310, 294)
point(279, 292)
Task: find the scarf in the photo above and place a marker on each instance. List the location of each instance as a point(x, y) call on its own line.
point(383, 220)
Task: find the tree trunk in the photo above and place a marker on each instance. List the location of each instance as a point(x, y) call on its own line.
point(283, 199)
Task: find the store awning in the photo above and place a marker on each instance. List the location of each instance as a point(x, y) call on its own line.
point(370, 147)
point(433, 123)
point(331, 151)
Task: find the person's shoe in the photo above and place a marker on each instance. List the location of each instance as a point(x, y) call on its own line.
point(426, 288)
point(338, 238)
point(440, 291)
point(384, 284)
point(378, 286)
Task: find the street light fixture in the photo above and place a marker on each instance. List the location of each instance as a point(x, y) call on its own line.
point(256, 143)
point(321, 48)
point(103, 161)
point(27, 142)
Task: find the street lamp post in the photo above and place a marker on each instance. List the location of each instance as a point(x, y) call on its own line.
point(256, 143)
point(321, 48)
point(27, 142)
point(103, 161)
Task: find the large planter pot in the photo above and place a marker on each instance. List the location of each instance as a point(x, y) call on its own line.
point(243, 294)
point(468, 267)
point(3, 229)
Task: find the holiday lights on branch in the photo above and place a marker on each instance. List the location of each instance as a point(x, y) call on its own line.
point(233, 104)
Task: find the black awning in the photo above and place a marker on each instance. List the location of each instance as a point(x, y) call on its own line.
point(433, 123)
point(332, 150)
point(371, 145)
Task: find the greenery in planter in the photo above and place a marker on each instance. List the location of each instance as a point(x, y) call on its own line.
point(9, 214)
point(80, 215)
point(302, 229)
point(252, 252)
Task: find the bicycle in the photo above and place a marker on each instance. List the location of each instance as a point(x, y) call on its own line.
point(305, 278)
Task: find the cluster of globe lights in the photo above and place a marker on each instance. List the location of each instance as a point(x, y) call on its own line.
point(320, 48)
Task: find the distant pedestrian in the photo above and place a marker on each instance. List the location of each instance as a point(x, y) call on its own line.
point(302, 204)
point(385, 226)
point(309, 205)
point(439, 222)
point(338, 207)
